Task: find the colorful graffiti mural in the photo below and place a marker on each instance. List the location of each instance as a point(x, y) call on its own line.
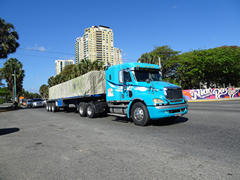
point(215, 93)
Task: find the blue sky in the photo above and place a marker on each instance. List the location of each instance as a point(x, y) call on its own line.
point(138, 25)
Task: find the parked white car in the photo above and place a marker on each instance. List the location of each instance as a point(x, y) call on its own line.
point(37, 102)
point(45, 102)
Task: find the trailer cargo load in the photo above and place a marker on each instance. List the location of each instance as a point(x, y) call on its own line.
point(91, 83)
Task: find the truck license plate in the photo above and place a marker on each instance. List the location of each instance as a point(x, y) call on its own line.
point(178, 114)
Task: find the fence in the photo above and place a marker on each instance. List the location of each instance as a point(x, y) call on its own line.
point(211, 93)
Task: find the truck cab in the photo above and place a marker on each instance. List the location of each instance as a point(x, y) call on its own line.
point(137, 91)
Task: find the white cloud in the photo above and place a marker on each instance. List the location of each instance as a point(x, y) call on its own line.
point(41, 48)
point(35, 47)
point(36, 77)
point(174, 7)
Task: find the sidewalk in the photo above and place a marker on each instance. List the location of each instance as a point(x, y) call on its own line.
point(211, 100)
point(5, 107)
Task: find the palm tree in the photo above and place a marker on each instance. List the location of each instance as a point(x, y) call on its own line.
point(43, 90)
point(77, 70)
point(8, 74)
point(51, 81)
point(145, 58)
point(8, 37)
point(97, 65)
point(86, 65)
point(59, 79)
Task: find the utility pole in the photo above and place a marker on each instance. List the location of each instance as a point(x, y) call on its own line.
point(160, 66)
point(15, 87)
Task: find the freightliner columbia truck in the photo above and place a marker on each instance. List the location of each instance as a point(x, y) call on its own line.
point(132, 90)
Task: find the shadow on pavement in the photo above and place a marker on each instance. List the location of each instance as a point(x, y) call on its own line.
point(8, 131)
point(167, 122)
point(160, 122)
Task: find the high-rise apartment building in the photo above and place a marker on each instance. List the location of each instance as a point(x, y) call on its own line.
point(117, 56)
point(96, 44)
point(79, 50)
point(60, 64)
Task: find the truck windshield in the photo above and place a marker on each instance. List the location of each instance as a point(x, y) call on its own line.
point(142, 76)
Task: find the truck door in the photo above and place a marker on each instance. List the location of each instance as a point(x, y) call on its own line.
point(126, 81)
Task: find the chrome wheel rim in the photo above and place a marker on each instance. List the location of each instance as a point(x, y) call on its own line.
point(81, 110)
point(89, 111)
point(138, 114)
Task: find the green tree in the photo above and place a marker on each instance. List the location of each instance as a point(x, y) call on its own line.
point(4, 92)
point(8, 37)
point(51, 81)
point(212, 66)
point(1, 78)
point(77, 70)
point(165, 53)
point(97, 65)
point(8, 71)
point(73, 71)
point(43, 90)
point(86, 65)
point(67, 70)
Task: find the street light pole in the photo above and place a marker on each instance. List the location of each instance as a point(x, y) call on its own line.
point(15, 86)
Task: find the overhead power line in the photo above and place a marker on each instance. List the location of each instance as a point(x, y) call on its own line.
point(27, 49)
point(45, 51)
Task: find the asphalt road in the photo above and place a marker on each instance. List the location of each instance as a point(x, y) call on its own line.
point(204, 144)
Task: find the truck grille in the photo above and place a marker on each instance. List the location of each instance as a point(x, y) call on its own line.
point(173, 93)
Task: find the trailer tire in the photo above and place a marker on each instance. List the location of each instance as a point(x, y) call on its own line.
point(82, 109)
point(140, 115)
point(47, 107)
point(54, 107)
point(50, 107)
point(90, 110)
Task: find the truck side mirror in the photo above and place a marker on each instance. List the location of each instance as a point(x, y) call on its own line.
point(148, 81)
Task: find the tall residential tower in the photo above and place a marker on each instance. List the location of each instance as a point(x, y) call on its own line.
point(79, 50)
point(96, 44)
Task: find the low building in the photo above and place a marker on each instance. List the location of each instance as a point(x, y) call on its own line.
point(60, 64)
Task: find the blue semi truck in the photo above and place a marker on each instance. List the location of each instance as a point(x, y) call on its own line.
point(132, 90)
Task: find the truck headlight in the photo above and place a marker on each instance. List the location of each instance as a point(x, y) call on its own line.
point(158, 101)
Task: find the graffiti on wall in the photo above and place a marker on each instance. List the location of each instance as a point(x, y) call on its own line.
point(212, 93)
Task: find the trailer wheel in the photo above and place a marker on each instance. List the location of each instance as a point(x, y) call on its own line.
point(47, 107)
point(140, 115)
point(82, 109)
point(50, 107)
point(54, 107)
point(91, 110)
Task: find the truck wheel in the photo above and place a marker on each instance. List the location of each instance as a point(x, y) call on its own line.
point(50, 107)
point(54, 107)
point(90, 110)
point(47, 107)
point(82, 109)
point(140, 115)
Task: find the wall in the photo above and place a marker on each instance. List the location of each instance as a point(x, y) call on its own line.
point(215, 93)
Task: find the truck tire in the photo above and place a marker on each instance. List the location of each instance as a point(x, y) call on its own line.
point(140, 115)
point(82, 109)
point(50, 107)
point(47, 107)
point(54, 107)
point(90, 110)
